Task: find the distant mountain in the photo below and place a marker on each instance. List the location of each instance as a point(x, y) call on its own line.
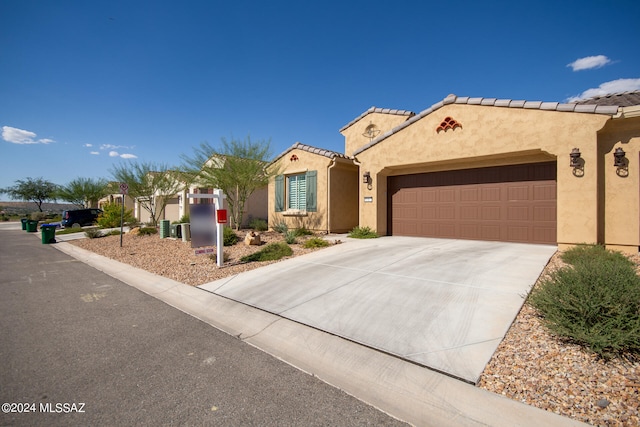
point(22, 208)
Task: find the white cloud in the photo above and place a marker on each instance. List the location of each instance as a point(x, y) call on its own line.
point(20, 136)
point(607, 88)
point(88, 145)
point(95, 153)
point(123, 156)
point(589, 63)
point(112, 147)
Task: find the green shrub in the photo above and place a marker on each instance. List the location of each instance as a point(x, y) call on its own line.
point(290, 237)
point(315, 242)
point(229, 237)
point(184, 219)
point(362, 233)
point(111, 213)
point(595, 302)
point(271, 252)
point(38, 216)
point(93, 233)
point(281, 227)
point(258, 224)
point(112, 233)
point(303, 231)
point(146, 231)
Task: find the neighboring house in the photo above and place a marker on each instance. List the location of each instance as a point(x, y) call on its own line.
point(475, 168)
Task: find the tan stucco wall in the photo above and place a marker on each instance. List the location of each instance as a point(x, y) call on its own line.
point(306, 162)
point(354, 137)
point(620, 189)
point(256, 206)
point(491, 136)
point(343, 197)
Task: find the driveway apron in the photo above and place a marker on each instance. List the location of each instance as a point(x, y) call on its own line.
point(443, 304)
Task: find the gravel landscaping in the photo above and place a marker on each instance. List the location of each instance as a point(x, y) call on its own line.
point(530, 365)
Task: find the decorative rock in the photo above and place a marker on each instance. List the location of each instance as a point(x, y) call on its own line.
point(252, 238)
point(602, 403)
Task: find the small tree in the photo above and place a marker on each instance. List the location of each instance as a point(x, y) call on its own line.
point(36, 190)
point(83, 192)
point(150, 184)
point(237, 168)
point(111, 215)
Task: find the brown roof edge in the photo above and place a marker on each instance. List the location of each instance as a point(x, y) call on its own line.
point(493, 102)
point(378, 110)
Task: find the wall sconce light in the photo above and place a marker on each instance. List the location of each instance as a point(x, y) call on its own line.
point(619, 158)
point(620, 162)
point(575, 158)
point(366, 179)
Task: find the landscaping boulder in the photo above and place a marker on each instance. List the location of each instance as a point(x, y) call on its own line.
point(252, 238)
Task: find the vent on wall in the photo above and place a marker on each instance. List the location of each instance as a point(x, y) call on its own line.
point(448, 123)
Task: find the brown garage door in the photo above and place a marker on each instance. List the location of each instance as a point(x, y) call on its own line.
point(507, 203)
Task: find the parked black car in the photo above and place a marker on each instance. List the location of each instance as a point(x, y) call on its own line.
point(80, 217)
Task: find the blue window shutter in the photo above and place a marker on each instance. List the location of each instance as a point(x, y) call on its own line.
point(312, 191)
point(279, 181)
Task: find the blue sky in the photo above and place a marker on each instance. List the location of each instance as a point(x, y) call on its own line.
point(85, 85)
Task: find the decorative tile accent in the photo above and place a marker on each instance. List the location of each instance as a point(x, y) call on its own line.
point(448, 123)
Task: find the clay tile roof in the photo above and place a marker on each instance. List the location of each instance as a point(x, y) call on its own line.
point(621, 99)
point(313, 150)
point(378, 110)
point(603, 105)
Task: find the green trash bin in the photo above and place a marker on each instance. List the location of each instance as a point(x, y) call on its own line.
point(32, 226)
point(24, 223)
point(48, 233)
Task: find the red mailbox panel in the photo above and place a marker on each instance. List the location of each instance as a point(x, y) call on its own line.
point(221, 214)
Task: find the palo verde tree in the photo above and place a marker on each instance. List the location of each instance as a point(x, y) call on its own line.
point(83, 192)
point(37, 190)
point(237, 167)
point(151, 185)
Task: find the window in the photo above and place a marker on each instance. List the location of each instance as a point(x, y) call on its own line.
point(300, 192)
point(297, 192)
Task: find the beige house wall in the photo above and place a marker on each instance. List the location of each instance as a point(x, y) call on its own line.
point(620, 188)
point(343, 196)
point(493, 136)
point(256, 206)
point(306, 161)
point(337, 192)
point(354, 134)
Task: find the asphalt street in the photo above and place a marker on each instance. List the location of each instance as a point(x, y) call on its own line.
point(79, 347)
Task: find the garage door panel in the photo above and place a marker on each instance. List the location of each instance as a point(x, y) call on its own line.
point(511, 203)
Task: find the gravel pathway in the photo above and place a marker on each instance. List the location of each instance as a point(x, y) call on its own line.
point(530, 365)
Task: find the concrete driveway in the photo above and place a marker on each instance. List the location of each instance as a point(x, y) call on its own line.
point(444, 304)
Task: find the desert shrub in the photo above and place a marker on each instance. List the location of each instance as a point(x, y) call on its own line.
point(290, 237)
point(38, 216)
point(229, 237)
point(315, 242)
point(362, 233)
point(281, 227)
point(93, 233)
point(303, 231)
point(184, 219)
point(271, 252)
point(595, 302)
point(111, 213)
point(258, 224)
point(146, 231)
point(225, 257)
point(112, 233)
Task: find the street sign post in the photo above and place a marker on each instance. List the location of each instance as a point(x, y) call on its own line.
point(124, 190)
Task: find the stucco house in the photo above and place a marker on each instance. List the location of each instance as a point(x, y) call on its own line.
point(475, 168)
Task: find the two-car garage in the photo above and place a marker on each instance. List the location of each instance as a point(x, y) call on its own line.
point(515, 203)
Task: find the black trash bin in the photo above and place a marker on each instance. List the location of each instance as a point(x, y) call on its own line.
point(48, 233)
point(24, 223)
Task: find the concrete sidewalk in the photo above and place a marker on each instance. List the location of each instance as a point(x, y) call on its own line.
point(403, 389)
